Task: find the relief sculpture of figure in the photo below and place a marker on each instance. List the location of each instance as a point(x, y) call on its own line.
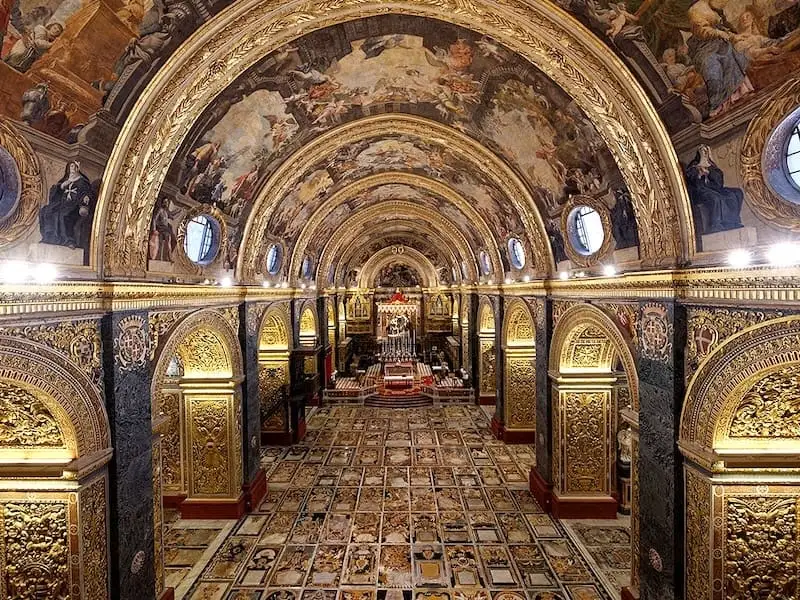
point(718, 206)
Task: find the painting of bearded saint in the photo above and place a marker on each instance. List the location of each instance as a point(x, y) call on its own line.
point(66, 220)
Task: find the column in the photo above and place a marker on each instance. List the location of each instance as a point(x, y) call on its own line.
point(541, 478)
point(126, 368)
point(255, 481)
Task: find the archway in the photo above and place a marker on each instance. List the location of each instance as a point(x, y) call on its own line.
point(274, 375)
point(595, 440)
point(519, 374)
point(196, 388)
point(487, 353)
point(739, 434)
point(55, 430)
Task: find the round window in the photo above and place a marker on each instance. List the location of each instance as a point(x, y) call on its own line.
point(202, 239)
point(486, 265)
point(274, 259)
point(793, 156)
point(10, 184)
point(516, 253)
point(305, 268)
point(586, 232)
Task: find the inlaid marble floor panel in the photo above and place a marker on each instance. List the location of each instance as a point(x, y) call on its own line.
point(398, 504)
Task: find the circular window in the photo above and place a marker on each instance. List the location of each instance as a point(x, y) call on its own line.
point(10, 184)
point(516, 253)
point(305, 268)
point(486, 265)
point(793, 156)
point(202, 239)
point(586, 232)
point(274, 259)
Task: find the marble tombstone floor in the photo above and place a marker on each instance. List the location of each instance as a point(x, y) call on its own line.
point(398, 504)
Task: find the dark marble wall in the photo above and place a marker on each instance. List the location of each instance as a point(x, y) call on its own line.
point(127, 388)
point(500, 364)
point(474, 346)
point(249, 323)
point(660, 368)
point(544, 425)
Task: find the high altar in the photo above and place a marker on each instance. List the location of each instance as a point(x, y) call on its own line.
point(397, 328)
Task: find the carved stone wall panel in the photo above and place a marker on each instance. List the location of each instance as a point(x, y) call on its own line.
point(770, 408)
point(158, 516)
point(698, 535)
point(172, 450)
point(212, 452)
point(488, 365)
point(635, 517)
point(94, 540)
point(586, 433)
point(32, 424)
point(35, 558)
point(161, 323)
point(203, 353)
point(520, 391)
point(710, 327)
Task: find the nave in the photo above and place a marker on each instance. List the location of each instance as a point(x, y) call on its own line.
point(382, 504)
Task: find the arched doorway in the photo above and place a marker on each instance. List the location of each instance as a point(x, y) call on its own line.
point(196, 387)
point(273, 375)
point(739, 434)
point(519, 374)
point(595, 405)
point(54, 448)
point(487, 353)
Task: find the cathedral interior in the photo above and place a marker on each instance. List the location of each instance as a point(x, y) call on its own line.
point(409, 300)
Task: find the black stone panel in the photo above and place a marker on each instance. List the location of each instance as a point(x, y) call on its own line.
point(250, 323)
point(660, 488)
point(499, 362)
point(127, 390)
point(544, 425)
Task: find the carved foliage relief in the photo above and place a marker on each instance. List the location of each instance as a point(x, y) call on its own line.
point(586, 427)
point(520, 392)
point(272, 375)
point(35, 559)
point(771, 408)
point(210, 445)
point(488, 366)
point(26, 420)
point(698, 523)
point(93, 531)
point(169, 404)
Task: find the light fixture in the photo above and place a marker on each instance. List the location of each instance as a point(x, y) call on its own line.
point(784, 254)
point(564, 275)
point(285, 284)
point(739, 258)
point(490, 282)
point(609, 270)
point(45, 273)
point(266, 284)
point(206, 282)
point(302, 286)
point(14, 271)
point(526, 278)
point(313, 286)
point(508, 281)
point(226, 282)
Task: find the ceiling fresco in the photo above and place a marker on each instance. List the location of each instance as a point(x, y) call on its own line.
point(698, 58)
point(395, 64)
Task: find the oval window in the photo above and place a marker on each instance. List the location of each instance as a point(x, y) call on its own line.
point(305, 268)
point(464, 272)
point(202, 239)
point(10, 184)
point(274, 259)
point(793, 156)
point(586, 232)
point(516, 253)
point(486, 264)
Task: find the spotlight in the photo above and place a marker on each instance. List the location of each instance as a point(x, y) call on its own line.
point(266, 284)
point(302, 286)
point(526, 279)
point(206, 282)
point(14, 271)
point(739, 258)
point(563, 275)
point(45, 273)
point(609, 270)
point(490, 282)
point(285, 284)
point(226, 282)
point(784, 254)
point(508, 281)
point(313, 286)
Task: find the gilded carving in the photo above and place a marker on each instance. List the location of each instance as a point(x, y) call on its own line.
point(160, 323)
point(771, 407)
point(180, 256)
point(272, 376)
point(767, 204)
point(169, 405)
point(203, 352)
point(26, 421)
point(255, 314)
point(210, 446)
point(94, 540)
point(158, 518)
point(586, 428)
point(164, 115)
point(709, 327)
point(656, 332)
point(274, 330)
point(520, 328)
point(131, 346)
point(567, 225)
point(520, 392)
point(35, 557)
point(23, 217)
point(698, 536)
point(761, 547)
point(488, 370)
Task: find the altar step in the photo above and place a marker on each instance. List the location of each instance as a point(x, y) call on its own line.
point(399, 401)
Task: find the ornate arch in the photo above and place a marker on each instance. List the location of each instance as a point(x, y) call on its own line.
point(307, 325)
point(518, 329)
point(30, 180)
point(744, 400)
point(486, 318)
point(63, 388)
point(245, 32)
point(409, 257)
point(586, 339)
point(274, 332)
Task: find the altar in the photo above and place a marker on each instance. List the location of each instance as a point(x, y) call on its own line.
point(399, 375)
point(398, 320)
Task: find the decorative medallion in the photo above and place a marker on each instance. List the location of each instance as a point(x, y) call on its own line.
point(131, 345)
point(656, 332)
